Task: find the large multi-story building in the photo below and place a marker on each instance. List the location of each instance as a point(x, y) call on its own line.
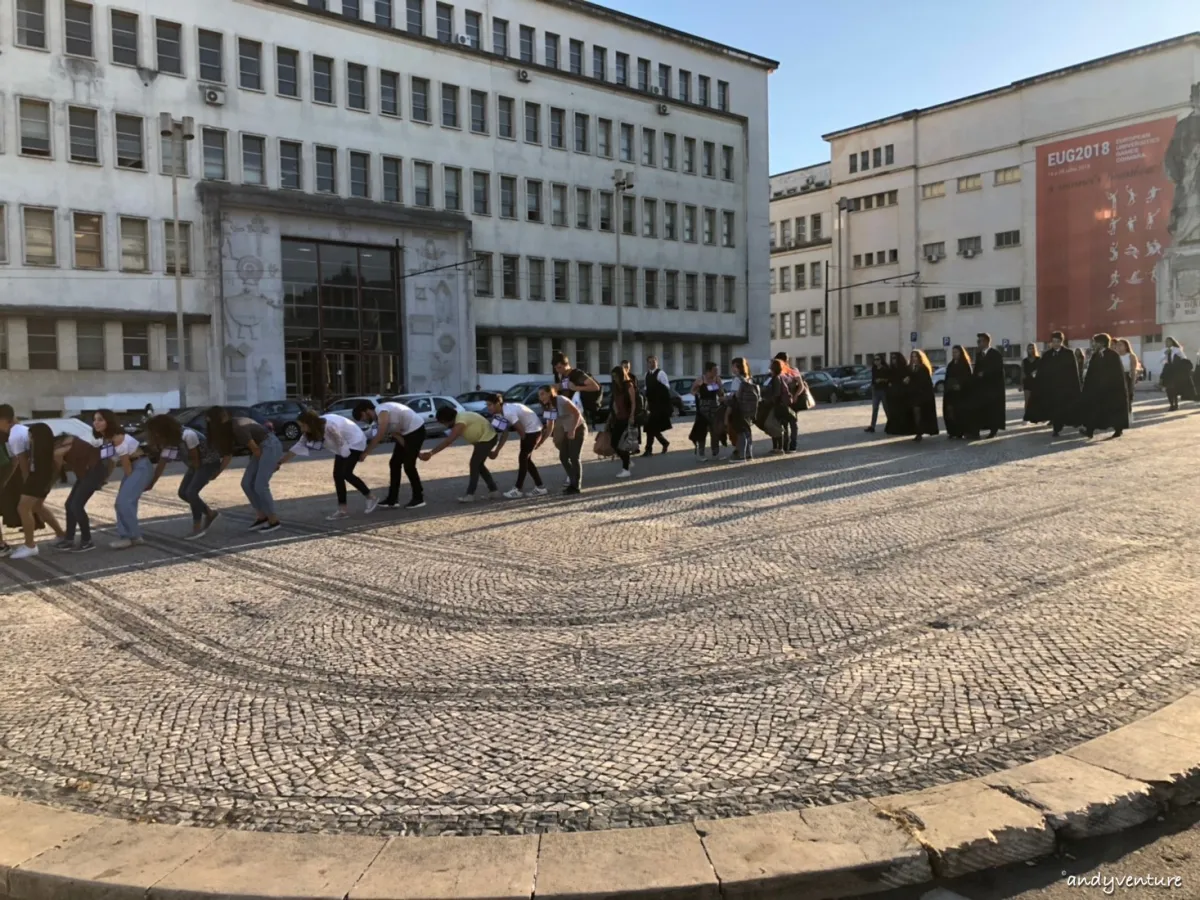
point(1048, 204)
point(380, 195)
point(800, 259)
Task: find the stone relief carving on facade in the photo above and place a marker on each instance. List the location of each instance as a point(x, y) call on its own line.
point(1182, 163)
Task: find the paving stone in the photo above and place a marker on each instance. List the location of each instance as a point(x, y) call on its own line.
point(478, 868)
point(824, 852)
point(969, 826)
point(666, 863)
point(1169, 764)
point(28, 830)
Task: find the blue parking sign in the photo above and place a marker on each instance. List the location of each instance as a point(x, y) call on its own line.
point(913, 337)
point(946, 341)
point(1004, 343)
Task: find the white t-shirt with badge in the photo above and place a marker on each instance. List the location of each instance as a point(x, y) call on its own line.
point(18, 440)
point(401, 419)
point(341, 436)
point(519, 412)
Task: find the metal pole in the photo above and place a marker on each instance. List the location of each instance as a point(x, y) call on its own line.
point(180, 336)
point(826, 323)
point(619, 281)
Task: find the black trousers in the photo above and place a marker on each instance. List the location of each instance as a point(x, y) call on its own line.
point(525, 461)
point(343, 474)
point(404, 460)
point(479, 469)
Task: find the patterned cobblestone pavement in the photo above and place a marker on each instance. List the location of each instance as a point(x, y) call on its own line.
point(866, 617)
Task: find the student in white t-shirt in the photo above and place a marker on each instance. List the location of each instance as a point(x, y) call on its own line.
point(407, 429)
point(520, 418)
point(176, 443)
point(31, 450)
point(346, 440)
point(137, 478)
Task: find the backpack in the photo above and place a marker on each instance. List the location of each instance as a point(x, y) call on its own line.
point(589, 399)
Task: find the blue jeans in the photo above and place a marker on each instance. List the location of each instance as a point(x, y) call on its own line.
point(792, 435)
point(745, 444)
point(194, 481)
point(877, 398)
point(132, 487)
point(256, 480)
point(77, 500)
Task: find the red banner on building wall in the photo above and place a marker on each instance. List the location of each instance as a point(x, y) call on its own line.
point(1103, 204)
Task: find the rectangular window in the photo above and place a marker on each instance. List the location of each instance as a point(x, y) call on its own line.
point(727, 162)
point(449, 106)
point(877, 157)
point(710, 293)
point(185, 247)
point(584, 275)
point(78, 20)
point(691, 292)
point(533, 123)
point(710, 226)
point(89, 241)
point(649, 147)
point(473, 23)
point(670, 221)
point(135, 346)
point(668, 150)
point(360, 174)
point(525, 41)
point(215, 167)
point(31, 31)
point(130, 150)
point(510, 267)
point(801, 327)
point(43, 342)
point(537, 279)
point(416, 16)
point(212, 55)
point(383, 13)
point(708, 160)
point(583, 208)
point(671, 290)
point(481, 193)
point(1008, 295)
point(627, 214)
point(726, 229)
point(445, 23)
point(643, 75)
point(508, 355)
point(483, 274)
point(626, 143)
point(393, 180)
point(606, 211)
point(499, 37)
point(558, 204)
point(254, 160)
point(452, 188)
point(422, 184)
point(970, 299)
point(169, 46)
point(249, 65)
point(389, 93)
point(853, 163)
point(173, 349)
point(970, 183)
point(864, 160)
point(933, 190)
point(604, 138)
point(970, 246)
point(287, 72)
point(505, 125)
point(629, 279)
point(723, 98)
point(1010, 175)
point(533, 200)
point(34, 118)
point(814, 274)
point(800, 272)
point(575, 57)
point(621, 75)
point(689, 155)
point(664, 79)
point(291, 175)
point(889, 154)
point(562, 281)
point(552, 44)
point(703, 90)
point(689, 224)
point(649, 218)
point(420, 99)
point(934, 303)
point(135, 245)
point(533, 356)
point(650, 288)
point(479, 106)
point(508, 197)
point(351, 9)
point(89, 345)
point(483, 354)
point(82, 125)
point(322, 79)
point(816, 227)
point(356, 86)
point(558, 127)
point(607, 282)
point(934, 251)
point(582, 137)
point(326, 162)
point(1005, 239)
point(599, 63)
point(685, 85)
point(124, 28)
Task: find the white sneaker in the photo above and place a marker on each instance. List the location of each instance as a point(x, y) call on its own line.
point(494, 495)
point(467, 498)
point(538, 492)
point(514, 494)
point(624, 473)
point(119, 544)
point(335, 516)
point(371, 504)
point(24, 552)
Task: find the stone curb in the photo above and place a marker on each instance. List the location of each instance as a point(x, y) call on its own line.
point(1106, 785)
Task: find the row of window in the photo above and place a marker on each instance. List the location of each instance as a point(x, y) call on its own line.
point(90, 241)
point(973, 299)
point(868, 159)
point(802, 232)
point(872, 310)
point(800, 319)
point(527, 278)
point(971, 246)
point(874, 201)
point(691, 357)
point(125, 40)
point(91, 347)
point(801, 283)
point(968, 183)
point(879, 258)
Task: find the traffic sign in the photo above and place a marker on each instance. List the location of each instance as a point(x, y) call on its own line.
point(946, 341)
point(913, 337)
point(1004, 343)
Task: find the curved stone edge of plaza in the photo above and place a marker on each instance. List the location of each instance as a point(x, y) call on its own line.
point(1105, 785)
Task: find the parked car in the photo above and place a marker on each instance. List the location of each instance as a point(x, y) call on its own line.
point(426, 406)
point(474, 401)
point(939, 379)
point(683, 387)
point(856, 388)
point(344, 406)
point(282, 414)
point(823, 387)
point(76, 428)
point(193, 418)
point(840, 373)
point(526, 393)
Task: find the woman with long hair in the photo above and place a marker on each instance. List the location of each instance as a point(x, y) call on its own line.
point(347, 441)
point(564, 422)
point(710, 405)
point(92, 468)
point(956, 393)
point(1176, 374)
point(1131, 364)
point(37, 465)
point(137, 477)
point(881, 376)
point(225, 434)
point(621, 419)
point(919, 383)
point(1029, 367)
point(174, 442)
point(898, 406)
point(743, 407)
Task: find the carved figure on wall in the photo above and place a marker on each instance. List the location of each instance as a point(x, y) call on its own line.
point(1182, 162)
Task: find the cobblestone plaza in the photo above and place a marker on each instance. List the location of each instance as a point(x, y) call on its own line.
point(868, 617)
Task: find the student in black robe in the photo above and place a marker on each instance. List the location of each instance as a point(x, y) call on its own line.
point(898, 408)
point(919, 386)
point(990, 412)
point(1105, 395)
point(1177, 374)
point(1056, 387)
point(1029, 368)
point(658, 398)
point(956, 396)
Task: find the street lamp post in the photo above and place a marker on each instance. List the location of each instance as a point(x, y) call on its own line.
point(622, 181)
point(178, 132)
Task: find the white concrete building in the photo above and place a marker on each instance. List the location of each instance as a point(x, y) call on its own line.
point(381, 195)
point(801, 213)
point(1042, 205)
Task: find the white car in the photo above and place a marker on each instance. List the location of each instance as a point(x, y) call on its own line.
point(74, 427)
point(939, 379)
point(426, 406)
point(345, 406)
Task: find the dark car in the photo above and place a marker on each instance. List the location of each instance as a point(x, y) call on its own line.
point(841, 373)
point(282, 414)
point(824, 389)
point(194, 418)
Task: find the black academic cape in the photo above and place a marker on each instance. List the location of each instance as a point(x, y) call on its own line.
point(1177, 378)
point(658, 399)
point(896, 403)
point(990, 412)
point(1030, 366)
point(1105, 392)
point(922, 401)
point(1057, 389)
point(957, 399)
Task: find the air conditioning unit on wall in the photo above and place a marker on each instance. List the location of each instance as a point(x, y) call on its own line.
point(522, 75)
point(213, 95)
point(462, 40)
point(968, 253)
point(664, 109)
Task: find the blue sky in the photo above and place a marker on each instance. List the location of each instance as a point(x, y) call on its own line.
point(844, 62)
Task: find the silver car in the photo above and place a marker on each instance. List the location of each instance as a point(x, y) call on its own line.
point(426, 406)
